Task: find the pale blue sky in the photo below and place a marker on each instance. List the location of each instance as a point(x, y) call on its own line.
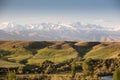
point(101, 12)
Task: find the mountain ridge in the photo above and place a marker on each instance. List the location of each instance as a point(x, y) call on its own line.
point(51, 31)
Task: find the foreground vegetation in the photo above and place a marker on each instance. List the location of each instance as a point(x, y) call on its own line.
point(117, 74)
point(74, 69)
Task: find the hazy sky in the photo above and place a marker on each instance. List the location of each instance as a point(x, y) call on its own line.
point(101, 12)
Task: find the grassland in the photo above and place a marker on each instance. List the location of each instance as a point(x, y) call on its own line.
point(104, 51)
point(7, 64)
point(57, 51)
point(54, 55)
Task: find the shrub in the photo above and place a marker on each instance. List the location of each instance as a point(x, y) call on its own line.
point(73, 69)
point(116, 75)
point(87, 67)
point(11, 75)
point(20, 70)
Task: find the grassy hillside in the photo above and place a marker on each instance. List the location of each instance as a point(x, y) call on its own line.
point(34, 52)
point(104, 50)
point(16, 49)
point(7, 64)
point(19, 55)
point(55, 55)
point(38, 51)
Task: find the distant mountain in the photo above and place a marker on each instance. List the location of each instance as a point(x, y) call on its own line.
point(50, 31)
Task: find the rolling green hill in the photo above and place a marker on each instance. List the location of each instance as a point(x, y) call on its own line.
point(104, 50)
point(34, 52)
point(7, 64)
point(53, 55)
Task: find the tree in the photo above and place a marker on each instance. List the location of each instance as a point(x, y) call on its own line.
point(116, 75)
point(48, 69)
point(73, 69)
point(20, 70)
point(87, 67)
point(48, 66)
point(11, 75)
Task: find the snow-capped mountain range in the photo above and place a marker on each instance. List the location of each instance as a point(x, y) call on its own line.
point(59, 31)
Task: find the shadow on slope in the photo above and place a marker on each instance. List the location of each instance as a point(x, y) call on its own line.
point(83, 47)
point(36, 45)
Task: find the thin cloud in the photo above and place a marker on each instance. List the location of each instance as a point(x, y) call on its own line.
point(100, 21)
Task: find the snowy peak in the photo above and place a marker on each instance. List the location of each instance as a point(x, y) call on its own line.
point(60, 31)
point(7, 26)
point(50, 26)
point(4, 25)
